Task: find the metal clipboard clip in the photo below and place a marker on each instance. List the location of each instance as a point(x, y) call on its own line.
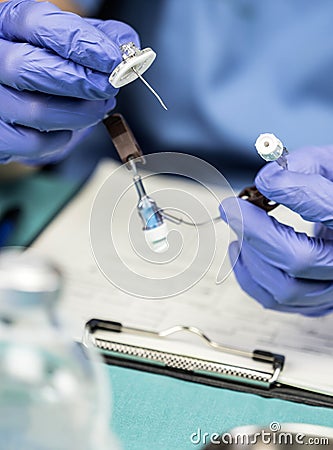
point(101, 334)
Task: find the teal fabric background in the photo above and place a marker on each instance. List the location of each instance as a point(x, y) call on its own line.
point(40, 197)
point(157, 412)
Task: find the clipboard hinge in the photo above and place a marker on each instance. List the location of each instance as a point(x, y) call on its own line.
point(102, 335)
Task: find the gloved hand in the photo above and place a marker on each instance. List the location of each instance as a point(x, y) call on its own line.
point(283, 269)
point(53, 78)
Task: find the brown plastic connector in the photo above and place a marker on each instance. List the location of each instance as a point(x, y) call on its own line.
point(252, 195)
point(122, 138)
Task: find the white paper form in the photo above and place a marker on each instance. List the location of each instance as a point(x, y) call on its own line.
point(224, 311)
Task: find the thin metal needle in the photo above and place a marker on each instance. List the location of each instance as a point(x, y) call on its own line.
point(150, 88)
point(282, 161)
point(179, 220)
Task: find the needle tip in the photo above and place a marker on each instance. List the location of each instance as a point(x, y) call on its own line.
point(145, 82)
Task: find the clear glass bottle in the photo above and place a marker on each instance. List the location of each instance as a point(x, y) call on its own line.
point(52, 396)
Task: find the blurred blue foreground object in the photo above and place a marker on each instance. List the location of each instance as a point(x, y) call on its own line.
point(52, 394)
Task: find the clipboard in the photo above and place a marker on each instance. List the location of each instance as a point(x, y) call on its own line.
point(105, 336)
point(228, 315)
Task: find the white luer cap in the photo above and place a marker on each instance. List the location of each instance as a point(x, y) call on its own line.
point(269, 146)
point(156, 238)
point(140, 62)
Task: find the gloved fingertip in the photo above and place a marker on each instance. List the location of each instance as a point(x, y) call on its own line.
point(273, 179)
point(118, 32)
point(234, 252)
point(128, 34)
point(223, 214)
point(231, 213)
point(266, 175)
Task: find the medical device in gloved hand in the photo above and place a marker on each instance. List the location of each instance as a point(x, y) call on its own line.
point(135, 63)
point(152, 216)
point(270, 148)
point(154, 226)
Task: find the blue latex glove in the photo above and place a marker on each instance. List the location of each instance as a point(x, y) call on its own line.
point(283, 269)
point(53, 78)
